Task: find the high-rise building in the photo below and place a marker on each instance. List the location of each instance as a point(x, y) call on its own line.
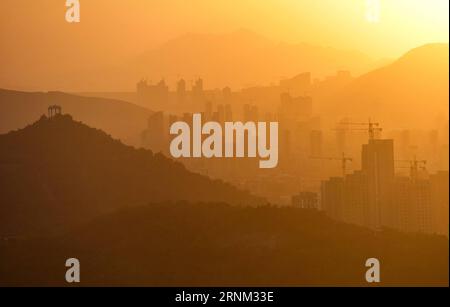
point(251, 113)
point(226, 94)
point(181, 90)
point(411, 205)
point(332, 197)
point(305, 200)
point(208, 110)
point(297, 85)
point(197, 89)
point(152, 94)
point(296, 107)
point(221, 113)
point(155, 136)
point(356, 199)
point(375, 198)
point(316, 140)
point(228, 113)
point(378, 166)
point(440, 202)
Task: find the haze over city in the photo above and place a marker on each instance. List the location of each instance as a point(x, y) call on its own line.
point(109, 48)
point(330, 148)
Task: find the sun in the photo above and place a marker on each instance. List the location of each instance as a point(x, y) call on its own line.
point(373, 11)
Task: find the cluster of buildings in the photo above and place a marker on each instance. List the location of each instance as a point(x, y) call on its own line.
point(375, 197)
point(300, 136)
point(158, 94)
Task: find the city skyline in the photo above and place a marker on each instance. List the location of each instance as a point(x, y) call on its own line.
point(217, 143)
point(110, 57)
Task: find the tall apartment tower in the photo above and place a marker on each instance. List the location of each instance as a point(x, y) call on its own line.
point(378, 166)
point(181, 90)
point(440, 202)
point(332, 197)
point(154, 137)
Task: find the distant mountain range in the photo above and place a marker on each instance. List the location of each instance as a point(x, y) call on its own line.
point(396, 94)
point(244, 58)
point(121, 119)
point(56, 172)
point(237, 59)
point(413, 91)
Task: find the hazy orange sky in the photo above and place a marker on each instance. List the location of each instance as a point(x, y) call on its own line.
point(34, 34)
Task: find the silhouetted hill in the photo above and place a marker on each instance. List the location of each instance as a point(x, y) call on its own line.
point(219, 245)
point(243, 58)
point(412, 91)
point(58, 171)
point(122, 119)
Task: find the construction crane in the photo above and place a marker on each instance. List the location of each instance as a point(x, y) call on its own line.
point(344, 160)
point(414, 166)
point(372, 128)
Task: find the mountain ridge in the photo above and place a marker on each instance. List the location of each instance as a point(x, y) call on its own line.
point(244, 58)
point(62, 170)
point(418, 80)
point(214, 244)
point(122, 119)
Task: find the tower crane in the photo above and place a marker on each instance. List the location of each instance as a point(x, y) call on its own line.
point(371, 128)
point(414, 166)
point(344, 160)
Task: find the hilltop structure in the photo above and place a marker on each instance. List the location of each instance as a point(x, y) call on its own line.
point(54, 110)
